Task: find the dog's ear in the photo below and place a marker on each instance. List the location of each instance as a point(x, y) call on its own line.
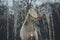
point(33, 12)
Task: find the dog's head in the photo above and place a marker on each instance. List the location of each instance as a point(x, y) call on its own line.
point(35, 14)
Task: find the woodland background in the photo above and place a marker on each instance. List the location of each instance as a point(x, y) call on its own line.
point(13, 13)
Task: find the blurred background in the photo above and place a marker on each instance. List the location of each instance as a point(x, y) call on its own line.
point(13, 13)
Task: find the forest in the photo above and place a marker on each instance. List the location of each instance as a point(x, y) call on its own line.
point(13, 13)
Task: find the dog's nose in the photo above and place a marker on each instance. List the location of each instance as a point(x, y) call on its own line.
point(41, 16)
